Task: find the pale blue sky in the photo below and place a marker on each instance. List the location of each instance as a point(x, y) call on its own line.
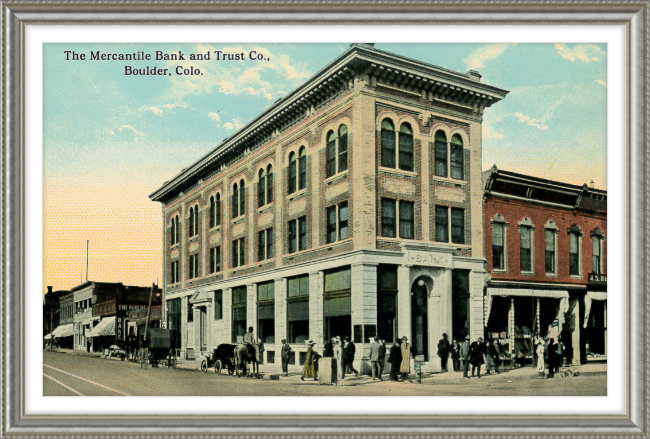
point(120, 137)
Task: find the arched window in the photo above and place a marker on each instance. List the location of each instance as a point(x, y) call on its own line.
point(261, 189)
point(217, 210)
point(293, 171)
point(405, 147)
point(242, 198)
point(343, 148)
point(441, 154)
point(457, 158)
point(235, 201)
point(331, 154)
point(387, 143)
point(212, 212)
point(269, 184)
point(302, 168)
point(191, 229)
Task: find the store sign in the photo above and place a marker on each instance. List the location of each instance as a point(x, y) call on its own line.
point(124, 307)
point(598, 279)
point(120, 328)
point(428, 259)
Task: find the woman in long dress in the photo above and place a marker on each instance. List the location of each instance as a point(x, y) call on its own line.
point(540, 358)
point(309, 370)
point(405, 368)
point(338, 354)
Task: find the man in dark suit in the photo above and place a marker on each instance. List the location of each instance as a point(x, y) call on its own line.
point(382, 356)
point(284, 355)
point(348, 356)
point(443, 351)
point(395, 359)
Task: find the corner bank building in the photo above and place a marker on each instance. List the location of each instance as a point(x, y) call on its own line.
point(351, 207)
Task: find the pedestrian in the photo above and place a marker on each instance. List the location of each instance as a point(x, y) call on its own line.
point(328, 349)
point(382, 357)
point(405, 368)
point(550, 357)
point(374, 358)
point(259, 351)
point(285, 352)
point(477, 356)
point(559, 355)
point(464, 356)
point(540, 357)
point(455, 352)
point(491, 358)
point(338, 354)
point(443, 352)
point(395, 359)
point(348, 357)
point(309, 370)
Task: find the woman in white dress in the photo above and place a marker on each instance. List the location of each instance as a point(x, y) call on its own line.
point(338, 354)
point(540, 358)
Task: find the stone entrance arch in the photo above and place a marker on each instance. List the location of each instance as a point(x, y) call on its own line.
point(420, 291)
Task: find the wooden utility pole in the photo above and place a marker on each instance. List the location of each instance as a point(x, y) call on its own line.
point(146, 326)
point(51, 331)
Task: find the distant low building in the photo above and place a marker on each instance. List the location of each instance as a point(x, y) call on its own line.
point(51, 310)
point(546, 250)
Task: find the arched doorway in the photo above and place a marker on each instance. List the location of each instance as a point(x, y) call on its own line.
point(419, 318)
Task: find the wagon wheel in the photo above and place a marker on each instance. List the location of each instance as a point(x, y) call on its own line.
point(204, 366)
point(217, 367)
point(231, 368)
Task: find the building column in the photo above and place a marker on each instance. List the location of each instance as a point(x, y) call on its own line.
point(439, 315)
point(197, 330)
point(184, 325)
point(476, 303)
point(576, 326)
point(316, 285)
point(227, 315)
point(280, 315)
point(363, 303)
point(404, 301)
point(251, 308)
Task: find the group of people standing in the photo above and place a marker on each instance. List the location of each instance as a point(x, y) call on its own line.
point(343, 351)
point(549, 354)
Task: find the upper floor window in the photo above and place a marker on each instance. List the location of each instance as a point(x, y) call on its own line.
point(298, 234)
point(193, 268)
point(215, 259)
point(175, 230)
point(215, 210)
point(498, 246)
point(441, 154)
point(527, 248)
point(269, 183)
point(457, 225)
point(337, 230)
point(406, 147)
point(388, 218)
point(575, 253)
point(551, 231)
point(261, 188)
point(194, 221)
point(238, 199)
point(334, 156)
point(442, 224)
point(598, 239)
point(457, 158)
point(298, 170)
point(387, 143)
point(175, 272)
point(265, 243)
point(238, 253)
point(406, 220)
point(404, 158)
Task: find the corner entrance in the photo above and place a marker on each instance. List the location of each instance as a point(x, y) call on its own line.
point(419, 319)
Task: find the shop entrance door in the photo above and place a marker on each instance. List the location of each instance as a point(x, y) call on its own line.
point(204, 328)
point(419, 321)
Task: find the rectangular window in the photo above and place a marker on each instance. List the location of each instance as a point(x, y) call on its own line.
point(218, 305)
point(526, 246)
point(405, 151)
point(331, 224)
point(239, 296)
point(550, 251)
point(498, 256)
point(458, 226)
point(175, 272)
point(343, 220)
point(387, 302)
point(302, 233)
point(215, 259)
point(238, 253)
point(193, 269)
point(574, 255)
point(298, 309)
point(596, 255)
point(406, 220)
point(388, 218)
point(266, 312)
point(298, 286)
point(293, 236)
point(261, 245)
point(457, 162)
point(331, 158)
point(343, 153)
point(270, 243)
point(442, 224)
point(441, 159)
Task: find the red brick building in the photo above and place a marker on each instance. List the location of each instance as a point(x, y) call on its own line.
point(546, 250)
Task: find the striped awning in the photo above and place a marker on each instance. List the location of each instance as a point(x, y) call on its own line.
point(63, 331)
point(106, 327)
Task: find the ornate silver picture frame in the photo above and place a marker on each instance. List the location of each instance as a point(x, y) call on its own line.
point(19, 15)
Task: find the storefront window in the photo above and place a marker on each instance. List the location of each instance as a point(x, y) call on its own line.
point(298, 309)
point(266, 312)
point(387, 302)
point(337, 304)
point(238, 314)
point(174, 321)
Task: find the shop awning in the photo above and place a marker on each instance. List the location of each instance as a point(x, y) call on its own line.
point(525, 292)
point(63, 331)
point(48, 336)
point(592, 295)
point(105, 327)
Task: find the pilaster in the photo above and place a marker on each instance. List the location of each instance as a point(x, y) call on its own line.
point(280, 312)
point(316, 285)
point(404, 301)
point(251, 308)
point(476, 315)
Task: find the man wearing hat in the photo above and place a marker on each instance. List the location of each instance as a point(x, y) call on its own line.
point(443, 351)
point(348, 356)
point(250, 342)
point(374, 358)
point(477, 356)
point(285, 353)
point(464, 357)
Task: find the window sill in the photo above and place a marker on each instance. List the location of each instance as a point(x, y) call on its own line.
point(240, 218)
point(528, 273)
point(193, 238)
point(265, 207)
point(215, 228)
point(174, 246)
point(551, 274)
point(297, 193)
point(330, 180)
point(500, 271)
point(449, 180)
point(576, 276)
point(397, 171)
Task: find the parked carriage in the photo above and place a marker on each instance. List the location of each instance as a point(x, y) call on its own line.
point(222, 358)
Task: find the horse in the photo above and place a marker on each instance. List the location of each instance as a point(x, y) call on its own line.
point(243, 355)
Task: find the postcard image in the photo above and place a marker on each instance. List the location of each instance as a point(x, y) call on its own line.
point(325, 219)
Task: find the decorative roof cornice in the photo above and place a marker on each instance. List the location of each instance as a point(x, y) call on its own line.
point(431, 82)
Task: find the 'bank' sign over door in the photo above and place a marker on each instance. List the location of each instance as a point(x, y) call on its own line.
point(428, 259)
